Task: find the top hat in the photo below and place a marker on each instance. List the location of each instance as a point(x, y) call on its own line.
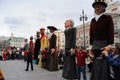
point(99, 2)
point(52, 27)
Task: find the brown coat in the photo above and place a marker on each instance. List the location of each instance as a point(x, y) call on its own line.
point(102, 30)
point(52, 41)
point(53, 64)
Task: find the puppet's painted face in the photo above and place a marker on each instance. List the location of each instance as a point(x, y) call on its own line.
point(67, 23)
point(99, 9)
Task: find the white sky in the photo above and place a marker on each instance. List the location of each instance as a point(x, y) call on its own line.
point(24, 17)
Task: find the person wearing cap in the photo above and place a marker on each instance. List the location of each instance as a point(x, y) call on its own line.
point(101, 37)
point(69, 67)
point(37, 47)
point(43, 45)
point(52, 56)
point(113, 57)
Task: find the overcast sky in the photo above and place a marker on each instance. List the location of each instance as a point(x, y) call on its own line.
point(24, 17)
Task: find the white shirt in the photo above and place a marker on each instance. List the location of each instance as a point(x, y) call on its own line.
point(98, 16)
point(50, 35)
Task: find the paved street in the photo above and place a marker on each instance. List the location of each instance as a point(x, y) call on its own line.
point(14, 70)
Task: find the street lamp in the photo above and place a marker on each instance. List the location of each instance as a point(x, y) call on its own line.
point(48, 34)
point(83, 18)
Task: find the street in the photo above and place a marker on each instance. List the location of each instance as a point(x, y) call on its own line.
point(15, 70)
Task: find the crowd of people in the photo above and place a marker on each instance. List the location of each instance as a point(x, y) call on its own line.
point(104, 59)
point(11, 53)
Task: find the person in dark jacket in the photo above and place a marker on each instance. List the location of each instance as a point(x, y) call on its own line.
point(29, 60)
point(69, 68)
point(101, 37)
point(113, 58)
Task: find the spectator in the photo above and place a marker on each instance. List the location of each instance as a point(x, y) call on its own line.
point(80, 63)
point(25, 48)
point(1, 58)
point(60, 57)
point(29, 60)
point(114, 59)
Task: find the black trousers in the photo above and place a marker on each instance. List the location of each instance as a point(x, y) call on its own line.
point(29, 61)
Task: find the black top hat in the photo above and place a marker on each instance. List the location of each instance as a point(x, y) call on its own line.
point(99, 2)
point(52, 27)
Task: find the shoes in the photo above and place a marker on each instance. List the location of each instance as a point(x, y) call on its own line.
point(26, 70)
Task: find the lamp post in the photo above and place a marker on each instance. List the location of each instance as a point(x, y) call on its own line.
point(48, 34)
point(83, 18)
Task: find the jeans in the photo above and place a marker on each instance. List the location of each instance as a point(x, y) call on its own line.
point(80, 69)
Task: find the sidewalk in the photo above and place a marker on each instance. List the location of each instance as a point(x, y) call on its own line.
point(15, 70)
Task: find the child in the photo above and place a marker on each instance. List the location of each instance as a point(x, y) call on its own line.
point(80, 62)
point(114, 58)
point(29, 60)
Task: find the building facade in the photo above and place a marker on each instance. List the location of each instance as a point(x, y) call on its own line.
point(60, 39)
point(16, 42)
point(80, 35)
point(11, 42)
point(114, 10)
